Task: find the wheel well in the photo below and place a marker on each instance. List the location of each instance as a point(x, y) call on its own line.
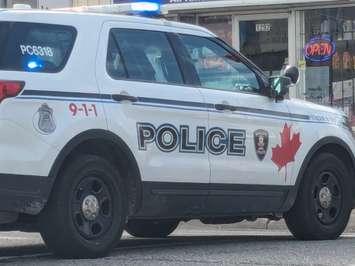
point(343, 154)
point(328, 145)
point(340, 152)
point(115, 152)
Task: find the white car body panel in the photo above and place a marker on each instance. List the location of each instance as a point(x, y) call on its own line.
point(25, 151)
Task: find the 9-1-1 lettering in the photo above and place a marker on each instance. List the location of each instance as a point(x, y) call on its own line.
point(83, 109)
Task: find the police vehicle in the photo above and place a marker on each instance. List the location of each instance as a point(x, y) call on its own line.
point(112, 123)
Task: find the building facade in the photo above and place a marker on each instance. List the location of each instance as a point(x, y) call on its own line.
point(77, 3)
point(10, 3)
point(43, 4)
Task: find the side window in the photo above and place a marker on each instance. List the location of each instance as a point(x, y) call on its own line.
point(114, 63)
point(145, 55)
point(217, 68)
point(35, 47)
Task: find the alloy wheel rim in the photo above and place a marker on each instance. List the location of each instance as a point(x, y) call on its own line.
point(327, 196)
point(92, 208)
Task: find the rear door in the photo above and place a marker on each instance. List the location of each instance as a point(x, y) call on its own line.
point(162, 120)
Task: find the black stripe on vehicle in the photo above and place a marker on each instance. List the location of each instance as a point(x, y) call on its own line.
point(175, 102)
point(161, 101)
point(270, 112)
point(66, 94)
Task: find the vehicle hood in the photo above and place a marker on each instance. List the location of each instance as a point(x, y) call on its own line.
point(311, 109)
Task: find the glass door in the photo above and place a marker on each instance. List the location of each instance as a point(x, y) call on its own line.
point(264, 40)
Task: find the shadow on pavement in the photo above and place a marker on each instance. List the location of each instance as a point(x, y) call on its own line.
point(127, 245)
point(40, 250)
point(132, 243)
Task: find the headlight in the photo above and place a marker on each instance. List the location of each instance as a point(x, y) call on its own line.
point(346, 123)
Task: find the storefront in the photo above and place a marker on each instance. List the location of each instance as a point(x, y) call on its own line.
point(317, 36)
point(330, 56)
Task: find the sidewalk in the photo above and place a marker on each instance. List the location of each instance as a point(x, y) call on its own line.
point(257, 225)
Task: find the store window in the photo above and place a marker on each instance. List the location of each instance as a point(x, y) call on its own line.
point(329, 53)
point(189, 19)
point(265, 42)
point(219, 25)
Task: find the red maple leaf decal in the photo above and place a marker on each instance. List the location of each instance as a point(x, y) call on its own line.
point(284, 154)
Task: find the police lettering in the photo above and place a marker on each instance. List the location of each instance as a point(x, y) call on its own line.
point(216, 141)
point(168, 138)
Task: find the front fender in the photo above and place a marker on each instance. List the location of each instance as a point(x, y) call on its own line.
point(318, 147)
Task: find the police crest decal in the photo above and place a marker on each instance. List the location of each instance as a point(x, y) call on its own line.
point(261, 141)
point(44, 121)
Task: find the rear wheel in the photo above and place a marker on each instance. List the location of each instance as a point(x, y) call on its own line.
point(149, 228)
point(86, 211)
point(323, 205)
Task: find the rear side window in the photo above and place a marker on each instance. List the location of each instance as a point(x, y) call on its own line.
point(142, 55)
point(34, 47)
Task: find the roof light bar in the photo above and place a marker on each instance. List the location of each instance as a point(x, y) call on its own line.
point(141, 8)
point(145, 7)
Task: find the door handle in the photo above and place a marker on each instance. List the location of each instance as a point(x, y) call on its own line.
point(224, 107)
point(123, 97)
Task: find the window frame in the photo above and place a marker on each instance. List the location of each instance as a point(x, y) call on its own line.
point(111, 35)
point(127, 78)
point(179, 50)
point(65, 60)
point(259, 75)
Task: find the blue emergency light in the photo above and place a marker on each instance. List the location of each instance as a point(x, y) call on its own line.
point(146, 8)
point(143, 8)
point(33, 64)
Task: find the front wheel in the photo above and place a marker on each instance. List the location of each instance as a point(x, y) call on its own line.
point(324, 202)
point(86, 212)
point(151, 229)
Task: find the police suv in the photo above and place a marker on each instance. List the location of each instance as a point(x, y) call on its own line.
point(112, 123)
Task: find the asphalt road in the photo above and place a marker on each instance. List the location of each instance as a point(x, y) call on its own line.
point(192, 246)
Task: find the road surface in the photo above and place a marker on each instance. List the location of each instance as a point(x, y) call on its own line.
point(194, 246)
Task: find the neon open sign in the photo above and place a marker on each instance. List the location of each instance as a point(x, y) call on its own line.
point(319, 49)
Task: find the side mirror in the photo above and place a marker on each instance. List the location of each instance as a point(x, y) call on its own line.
point(293, 73)
point(279, 86)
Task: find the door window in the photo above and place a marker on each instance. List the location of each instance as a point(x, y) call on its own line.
point(114, 63)
point(142, 55)
point(217, 68)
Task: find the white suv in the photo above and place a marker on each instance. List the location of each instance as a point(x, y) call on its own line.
point(119, 122)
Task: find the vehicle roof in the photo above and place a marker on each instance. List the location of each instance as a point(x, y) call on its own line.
point(72, 18)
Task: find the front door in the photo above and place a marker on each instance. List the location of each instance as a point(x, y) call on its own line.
point(247, 130)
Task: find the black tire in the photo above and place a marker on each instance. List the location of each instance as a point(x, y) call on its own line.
point(151, 228)
point(69, 227)
point(324, 202)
